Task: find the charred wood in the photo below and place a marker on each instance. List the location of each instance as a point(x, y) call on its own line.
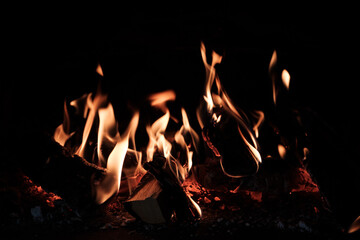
point(56, 170)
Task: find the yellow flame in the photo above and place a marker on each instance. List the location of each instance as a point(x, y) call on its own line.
point(159, 99)
point(94, 106)
point(108, 132)
point(159, 143)
point(111, 183)
point(222, 100)
point(282, 151)
point(285, 76)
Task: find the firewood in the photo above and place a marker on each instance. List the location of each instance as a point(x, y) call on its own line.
point(56, 170)
point(159, 196)
point(149, 202)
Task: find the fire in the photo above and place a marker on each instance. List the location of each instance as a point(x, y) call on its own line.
point(355, 226)
point(220, 102)
point(158, 143)
point(111, 183)
point(282, 151)
point(110, 148)
point(272, 65)
point(285, 77)
point(62, 132)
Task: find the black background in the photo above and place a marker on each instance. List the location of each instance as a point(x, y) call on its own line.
point(52, 52)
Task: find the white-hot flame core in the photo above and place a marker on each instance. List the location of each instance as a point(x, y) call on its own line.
point(282, 151)
point(222, 100)
point(285, 76)
point(111, 183)
point(108, 132)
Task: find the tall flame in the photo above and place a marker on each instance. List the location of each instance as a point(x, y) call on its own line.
point(160, 144)
point(111, 148)
point(222, 100)
point(111, 183)
point(272, 65)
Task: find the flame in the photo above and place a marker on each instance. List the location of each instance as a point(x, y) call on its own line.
point(272, 65)
point(111, 183)
point(306, 153)
point(260, 120)
point(221, 100)
point(61, 134)
point(355, 226)
point(285, 76)
point(99, 70)
point(108, 133)
point(94, 106)
point(158, 143)
point(282, 151)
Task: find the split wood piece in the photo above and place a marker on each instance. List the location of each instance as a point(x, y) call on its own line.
point(149, 202)
point(160, 195)
point(56, 170)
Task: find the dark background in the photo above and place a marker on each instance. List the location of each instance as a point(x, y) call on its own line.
point(51, 53)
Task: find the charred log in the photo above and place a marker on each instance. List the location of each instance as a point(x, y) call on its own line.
point(56, 170)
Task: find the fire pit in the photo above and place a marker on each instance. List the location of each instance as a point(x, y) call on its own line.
point(183, 146)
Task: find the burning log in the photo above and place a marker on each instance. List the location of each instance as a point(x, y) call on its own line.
point(226, 130)
point(160, 196)
point(58, 171)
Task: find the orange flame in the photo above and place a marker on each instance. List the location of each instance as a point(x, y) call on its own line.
point(222, 100)
point(99, 70)
point(272, 65)
point(260, 120)
point(355, 226)
point(61, 134)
